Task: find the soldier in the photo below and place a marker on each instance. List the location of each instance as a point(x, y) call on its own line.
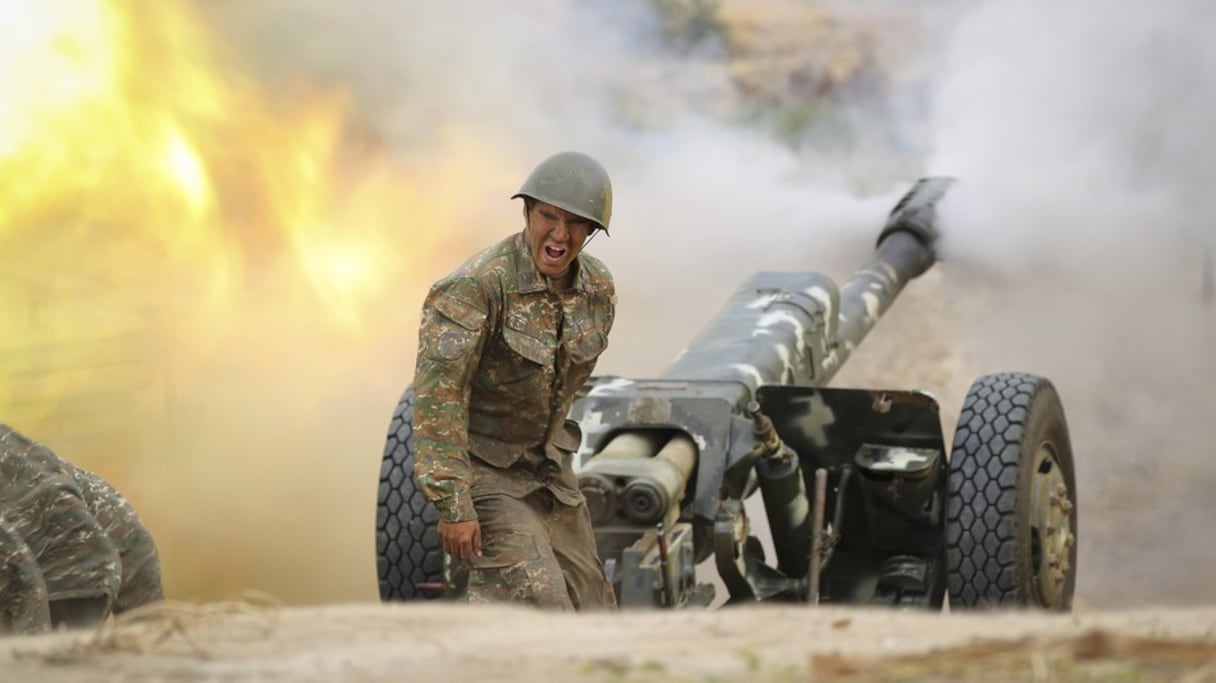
point(504, 343)
point(72, 550)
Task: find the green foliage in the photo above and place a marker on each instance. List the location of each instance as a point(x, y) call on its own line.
point(689, 22)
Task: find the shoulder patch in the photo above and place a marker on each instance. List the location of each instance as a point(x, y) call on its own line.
point(453, 343)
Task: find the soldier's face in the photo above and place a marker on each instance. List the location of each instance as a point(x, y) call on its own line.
point(554, 237)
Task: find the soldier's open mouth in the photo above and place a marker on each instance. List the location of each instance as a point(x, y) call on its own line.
point(554, 253)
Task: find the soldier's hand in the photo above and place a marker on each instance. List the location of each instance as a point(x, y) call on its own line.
point(461, 540)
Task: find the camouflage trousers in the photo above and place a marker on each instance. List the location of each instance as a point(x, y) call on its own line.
point(538, 551)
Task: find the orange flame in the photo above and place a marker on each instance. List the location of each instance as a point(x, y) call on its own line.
point(175, 241)
point(135, 159)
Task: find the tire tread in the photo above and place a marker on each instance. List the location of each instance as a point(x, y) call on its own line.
point(408, 551)
point(982, 493)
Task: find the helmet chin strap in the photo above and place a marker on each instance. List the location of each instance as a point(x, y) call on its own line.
point(588, 240)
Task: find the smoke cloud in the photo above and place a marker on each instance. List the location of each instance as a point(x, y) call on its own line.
point(1079, 132)
point(693, 180)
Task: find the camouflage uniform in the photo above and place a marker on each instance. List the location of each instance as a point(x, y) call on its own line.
point(24, 607)
point(500, 356)
point(78, 531)
point(140, 582)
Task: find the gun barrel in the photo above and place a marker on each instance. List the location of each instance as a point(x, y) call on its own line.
point(798, 328)
point(906, 249)
point(914, 215)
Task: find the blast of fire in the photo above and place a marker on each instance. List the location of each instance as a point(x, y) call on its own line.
point(181, 248)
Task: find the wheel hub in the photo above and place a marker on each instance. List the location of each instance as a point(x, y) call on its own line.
point(1051, 530)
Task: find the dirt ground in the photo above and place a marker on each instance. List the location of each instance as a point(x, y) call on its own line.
point(245, 642)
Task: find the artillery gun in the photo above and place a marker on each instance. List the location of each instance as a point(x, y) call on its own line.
point(863, 502)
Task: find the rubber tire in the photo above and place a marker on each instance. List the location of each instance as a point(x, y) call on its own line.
point(990, 543)
point(408, 550)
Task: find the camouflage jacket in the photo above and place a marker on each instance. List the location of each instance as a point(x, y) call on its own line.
point(500, 357)
point(140, 581)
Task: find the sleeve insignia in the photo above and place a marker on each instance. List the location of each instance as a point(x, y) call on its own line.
point(453, 344)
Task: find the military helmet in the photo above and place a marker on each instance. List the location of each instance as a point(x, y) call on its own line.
point(572, 181)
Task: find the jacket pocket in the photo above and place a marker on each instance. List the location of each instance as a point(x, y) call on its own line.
point(588, 347)
point(529, 347)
